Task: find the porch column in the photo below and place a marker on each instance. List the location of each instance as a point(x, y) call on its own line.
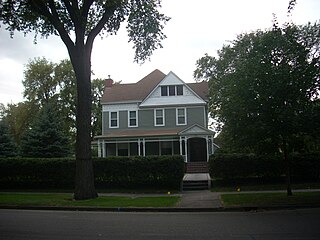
point(103, 149)
point(180, 141)
point(99, 148)
point(139, 146)
point(207, 146)
point(186, 148)
point(144, 147)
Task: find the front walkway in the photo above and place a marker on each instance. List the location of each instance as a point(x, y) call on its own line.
point(200, 199)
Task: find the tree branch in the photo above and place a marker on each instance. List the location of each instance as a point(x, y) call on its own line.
point(85, 8)
point(53, 17)
point(72, 11)
point(96, 30)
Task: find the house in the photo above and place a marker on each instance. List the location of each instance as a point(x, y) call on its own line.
point(158, 115)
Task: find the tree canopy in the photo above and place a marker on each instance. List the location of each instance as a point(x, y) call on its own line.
point(263, 86)
point(7, 146)
point(45, 138)
point(78, 23)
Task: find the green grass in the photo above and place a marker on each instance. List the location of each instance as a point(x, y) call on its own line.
point(26, 199)
point(263, 187)
point(271, 199)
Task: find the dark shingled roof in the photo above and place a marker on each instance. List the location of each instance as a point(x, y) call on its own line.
point(140, 90)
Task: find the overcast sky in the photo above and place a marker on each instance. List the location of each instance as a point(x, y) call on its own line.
point(195, 28)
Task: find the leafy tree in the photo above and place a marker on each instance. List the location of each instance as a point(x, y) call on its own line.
point(263, 86)
point(39, 82)
point(97, 92)
point(7, 145)
point(56, 83)
point(78, 23)
point(45, 138)
point(18, 118)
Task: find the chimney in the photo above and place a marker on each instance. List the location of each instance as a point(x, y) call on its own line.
point(108, 82)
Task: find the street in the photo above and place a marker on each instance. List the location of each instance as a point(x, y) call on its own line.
point(286, 224)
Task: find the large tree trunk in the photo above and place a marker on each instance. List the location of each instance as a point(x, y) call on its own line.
point(287, 166)
point(84, 179)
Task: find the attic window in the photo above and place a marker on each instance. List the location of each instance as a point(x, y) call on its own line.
point(172, 90)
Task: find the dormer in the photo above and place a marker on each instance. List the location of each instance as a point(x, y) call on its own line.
point(172, 91)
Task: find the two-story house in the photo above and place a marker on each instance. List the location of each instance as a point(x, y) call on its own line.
point(158, 115)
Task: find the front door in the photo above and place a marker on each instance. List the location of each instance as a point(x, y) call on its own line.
point(197, 149)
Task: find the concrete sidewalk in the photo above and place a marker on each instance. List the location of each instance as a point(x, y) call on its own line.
point(200, 199)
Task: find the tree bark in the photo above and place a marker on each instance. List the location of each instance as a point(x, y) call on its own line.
point(84, 178)
point(287, 166)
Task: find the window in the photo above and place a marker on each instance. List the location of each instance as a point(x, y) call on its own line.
point(164, 90)
point(132, 118)
point(181, 116)
point(159, 117)
point(179, 90)
point(166, 148)
point(113, 120)
point(172, 90)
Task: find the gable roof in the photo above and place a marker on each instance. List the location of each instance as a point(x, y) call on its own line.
point(137, 92)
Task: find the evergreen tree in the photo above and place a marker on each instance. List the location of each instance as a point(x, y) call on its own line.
point(46, 137)
point(7, 145)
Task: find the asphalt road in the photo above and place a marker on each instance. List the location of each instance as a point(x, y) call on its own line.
point(289, 224)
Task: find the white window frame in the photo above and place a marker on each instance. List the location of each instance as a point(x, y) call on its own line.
point(177, 116)
point(155, 117)
point(167, 87)
point(117, 126)
point(132, 118)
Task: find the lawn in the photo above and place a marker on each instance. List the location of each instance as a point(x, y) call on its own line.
point(216, 187)
point(271, 199)
point(51, 199)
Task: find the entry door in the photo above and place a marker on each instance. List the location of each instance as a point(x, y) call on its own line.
point(197, 149)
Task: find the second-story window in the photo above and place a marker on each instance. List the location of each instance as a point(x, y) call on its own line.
point(132, 118)
point(114, 120)
point(159, 117)
point(181, 116)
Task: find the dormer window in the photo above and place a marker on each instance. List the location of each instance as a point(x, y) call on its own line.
point(172, 90)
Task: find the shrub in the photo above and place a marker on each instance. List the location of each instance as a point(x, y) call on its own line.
point(236, 166)
point(128, 172)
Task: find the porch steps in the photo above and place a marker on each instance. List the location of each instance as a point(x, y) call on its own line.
point(196, 181)
point(197, 167)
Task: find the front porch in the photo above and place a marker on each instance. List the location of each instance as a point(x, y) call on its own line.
point(195, 143)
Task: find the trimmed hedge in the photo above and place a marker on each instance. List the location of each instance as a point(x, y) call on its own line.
point(236, 166)
point(150, 171)
point(128, 172)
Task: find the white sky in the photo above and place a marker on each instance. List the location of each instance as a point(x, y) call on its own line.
point(195, 28)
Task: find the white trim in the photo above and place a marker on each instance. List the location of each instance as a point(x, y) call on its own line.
point(117, 119)
point(136, 111)
point(177, 117)
point(155, 117)
point(120, 107)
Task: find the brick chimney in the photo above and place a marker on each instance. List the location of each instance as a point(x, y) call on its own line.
point(108, 82)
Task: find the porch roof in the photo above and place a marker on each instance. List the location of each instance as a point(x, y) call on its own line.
point(140, 133)
point(194, 130)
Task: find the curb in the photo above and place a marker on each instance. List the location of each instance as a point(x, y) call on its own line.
point(155, 209)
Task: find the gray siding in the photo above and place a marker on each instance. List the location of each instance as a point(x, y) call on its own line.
point(195, 115)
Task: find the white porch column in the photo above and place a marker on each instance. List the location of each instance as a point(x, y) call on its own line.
point(207, 146)
point(186, 148)
point(99, 148)
point(144, 147)
point(139, 147)
point(180, 141)
point(104, 150)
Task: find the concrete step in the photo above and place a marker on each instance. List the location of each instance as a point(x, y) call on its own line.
point(196, 181)
point(197, 167)
point(195, 185)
